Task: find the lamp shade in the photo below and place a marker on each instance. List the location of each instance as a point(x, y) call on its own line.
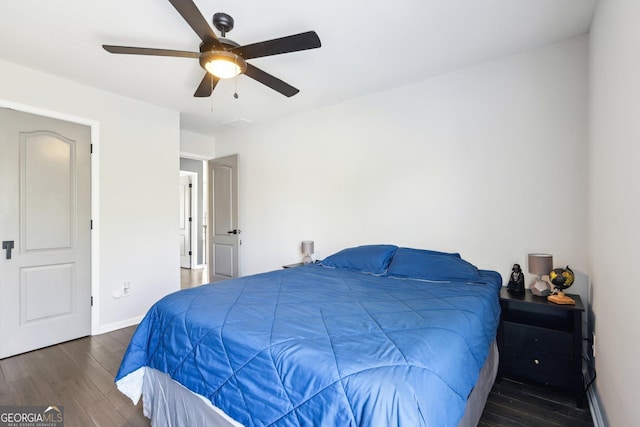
point(540, 264)
point(307, 247)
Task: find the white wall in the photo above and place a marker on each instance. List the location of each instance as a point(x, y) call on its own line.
point(137, 158)
point(614, 206)
point(197, 146)
point(489, 161)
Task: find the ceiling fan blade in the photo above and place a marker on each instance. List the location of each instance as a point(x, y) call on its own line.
point(271, 81)
point(294, 43)
point(191, 14)
point(206, 86)
point(127, 50)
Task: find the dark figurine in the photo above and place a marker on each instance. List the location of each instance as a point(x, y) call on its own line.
point(516, 281)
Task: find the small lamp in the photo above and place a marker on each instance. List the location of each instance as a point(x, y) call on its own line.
point(540, 264)
point(307, 250)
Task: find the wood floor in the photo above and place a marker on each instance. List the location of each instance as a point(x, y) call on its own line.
point(79, 376)
point(190, 278)
point(512, 403)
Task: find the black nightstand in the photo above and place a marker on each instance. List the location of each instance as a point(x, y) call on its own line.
point(541, 341)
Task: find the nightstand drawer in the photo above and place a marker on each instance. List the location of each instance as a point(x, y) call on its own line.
point(535, 338)
point(538, 366)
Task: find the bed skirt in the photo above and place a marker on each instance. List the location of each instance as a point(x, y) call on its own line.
point(479, 394)
point(169, 404)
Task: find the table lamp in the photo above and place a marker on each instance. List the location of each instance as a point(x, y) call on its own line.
point(541, 265)
point(307, 250)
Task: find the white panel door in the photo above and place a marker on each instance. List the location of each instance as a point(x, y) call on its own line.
point(45, 201)
point(185, 221)
point(223, 207)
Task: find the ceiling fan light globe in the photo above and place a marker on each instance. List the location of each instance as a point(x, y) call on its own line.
point(222, 68)
point(223, 65)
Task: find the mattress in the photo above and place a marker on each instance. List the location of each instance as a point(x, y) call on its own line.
point(313, 345)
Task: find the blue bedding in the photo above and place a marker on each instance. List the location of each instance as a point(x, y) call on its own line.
point(318, 346)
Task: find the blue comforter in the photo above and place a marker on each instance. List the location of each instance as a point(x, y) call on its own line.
point(317, 346)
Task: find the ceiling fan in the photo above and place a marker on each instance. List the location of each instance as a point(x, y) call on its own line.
point(223, 58)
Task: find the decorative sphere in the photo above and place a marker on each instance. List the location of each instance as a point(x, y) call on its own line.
point(562, 278)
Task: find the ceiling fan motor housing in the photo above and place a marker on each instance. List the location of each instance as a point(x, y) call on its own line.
point(227, 44)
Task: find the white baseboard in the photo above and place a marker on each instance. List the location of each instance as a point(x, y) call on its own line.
point(594, 407)
point(119, 325)
point(195, 267)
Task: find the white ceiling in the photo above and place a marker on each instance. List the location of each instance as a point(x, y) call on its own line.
point(367, 46)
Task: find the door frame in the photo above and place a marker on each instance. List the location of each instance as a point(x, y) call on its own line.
point(193, 262)
point(205, 205)
point(95, 199)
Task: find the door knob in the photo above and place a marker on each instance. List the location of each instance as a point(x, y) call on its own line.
point(233, 232)
point(7, 245)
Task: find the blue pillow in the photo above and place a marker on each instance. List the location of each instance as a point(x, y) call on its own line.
point(431, 265)
point(372, 259)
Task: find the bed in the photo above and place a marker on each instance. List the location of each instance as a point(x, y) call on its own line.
point(372, 335)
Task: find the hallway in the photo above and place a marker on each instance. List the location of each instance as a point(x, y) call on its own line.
point(190, 278)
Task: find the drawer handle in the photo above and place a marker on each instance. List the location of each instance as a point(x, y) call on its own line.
point(536, 361)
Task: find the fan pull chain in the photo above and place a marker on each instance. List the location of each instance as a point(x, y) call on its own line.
point(235, 95)
point(210, 96)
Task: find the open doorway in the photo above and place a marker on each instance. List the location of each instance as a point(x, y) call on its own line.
point(193, 217)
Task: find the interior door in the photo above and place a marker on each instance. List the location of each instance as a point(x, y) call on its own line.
point(45, 202)
point(185, 221)
point(223, 209)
